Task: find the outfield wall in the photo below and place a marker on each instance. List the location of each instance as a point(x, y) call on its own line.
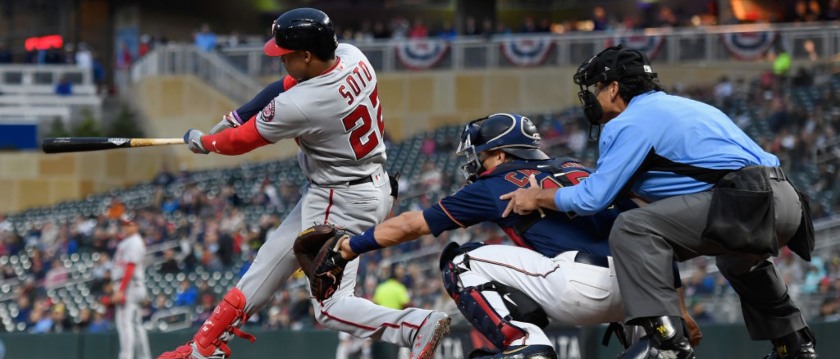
point(720, 341)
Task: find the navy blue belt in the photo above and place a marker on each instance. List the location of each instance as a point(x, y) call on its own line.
point(592, 259)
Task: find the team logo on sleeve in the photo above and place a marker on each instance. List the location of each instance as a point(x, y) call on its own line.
point(268, 112)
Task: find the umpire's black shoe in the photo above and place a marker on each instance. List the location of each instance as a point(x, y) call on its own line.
point(518, 352)
point(800, 344)
point(665, 339)
point(806, 351)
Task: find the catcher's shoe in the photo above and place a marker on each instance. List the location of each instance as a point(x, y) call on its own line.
point(428, 336)
point(210, 342)
point(520, 352)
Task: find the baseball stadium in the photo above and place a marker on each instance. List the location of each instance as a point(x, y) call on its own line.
point(543, 179)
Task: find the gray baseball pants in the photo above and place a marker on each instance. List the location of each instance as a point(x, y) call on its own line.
point(645, 241)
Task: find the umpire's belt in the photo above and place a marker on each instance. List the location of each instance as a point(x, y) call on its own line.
point(592, 259)
point(776, 173)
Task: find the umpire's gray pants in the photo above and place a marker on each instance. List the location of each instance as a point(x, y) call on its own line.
point(645, 241)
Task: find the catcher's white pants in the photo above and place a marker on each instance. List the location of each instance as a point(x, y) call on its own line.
point(134, 343)
point(569, 292)
point(356, 208)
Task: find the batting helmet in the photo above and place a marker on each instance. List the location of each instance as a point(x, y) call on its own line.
point(513, 134)
point(302, 29)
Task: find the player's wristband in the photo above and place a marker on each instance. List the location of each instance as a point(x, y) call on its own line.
point(364, 242)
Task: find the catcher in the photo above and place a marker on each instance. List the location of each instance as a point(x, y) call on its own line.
point(560, 268)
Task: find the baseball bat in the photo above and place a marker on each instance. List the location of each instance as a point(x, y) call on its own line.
point(81, 144)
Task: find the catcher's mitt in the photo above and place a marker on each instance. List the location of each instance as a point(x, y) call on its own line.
point(316, 249)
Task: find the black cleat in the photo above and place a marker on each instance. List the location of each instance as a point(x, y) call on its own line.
point(520, 352)
point(806, 351)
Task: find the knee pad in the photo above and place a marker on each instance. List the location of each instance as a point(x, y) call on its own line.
point(478, 311)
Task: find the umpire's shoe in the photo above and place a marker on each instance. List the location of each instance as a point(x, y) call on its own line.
point(518, 352)
point(797, 345)
point(664, 340)
point(428, 336)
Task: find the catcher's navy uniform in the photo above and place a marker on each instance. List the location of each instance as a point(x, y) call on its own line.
point(559, 269)
point(550, 236)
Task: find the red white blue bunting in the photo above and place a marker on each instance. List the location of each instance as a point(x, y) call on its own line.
point(748, 45)
point(420, 54)
point(649, 45)
point(527, 50)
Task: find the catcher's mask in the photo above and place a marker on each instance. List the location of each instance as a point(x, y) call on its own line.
point(612, 64)
point(513, 134)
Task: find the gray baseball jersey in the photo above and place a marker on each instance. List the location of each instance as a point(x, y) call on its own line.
point(134, 343)
point(335, 118)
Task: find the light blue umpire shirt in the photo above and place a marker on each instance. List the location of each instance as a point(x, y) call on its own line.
point(662, 146)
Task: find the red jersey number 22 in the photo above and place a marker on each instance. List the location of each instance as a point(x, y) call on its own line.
point(363, 139)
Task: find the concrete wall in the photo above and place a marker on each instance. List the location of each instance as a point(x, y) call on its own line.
point(413, 102)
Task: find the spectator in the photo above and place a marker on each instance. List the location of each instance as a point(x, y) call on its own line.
point(100, 323)
point(208, 303)
point(392, 293)
point(98, 73)
point(144, 46)
point(430, 179)
point(170, 263)
point(161, 302)
point(186, 294)
point(205, 39)
point(56, 276)
point(164, 177)
point(832, 12)
point(60, 322)
point(419, 29)
point(700, 314)
point(300, 312)
point(599, 19)
point(84, 58)
point(116, 208)
point(447, 31)
point(83, 323)
point(122, 65)
point(380, 31)
point(5, 54)
point(528, 25)
point(64, 87)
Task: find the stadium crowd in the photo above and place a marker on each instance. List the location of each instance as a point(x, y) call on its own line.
point(190, 228)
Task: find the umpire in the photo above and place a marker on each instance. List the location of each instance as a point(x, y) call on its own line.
point(710, 190)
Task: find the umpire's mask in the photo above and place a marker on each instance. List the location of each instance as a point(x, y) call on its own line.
point(609, 65)
point(513, 134)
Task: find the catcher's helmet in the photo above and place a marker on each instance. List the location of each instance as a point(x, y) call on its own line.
point(513, 134)
point(302, 29)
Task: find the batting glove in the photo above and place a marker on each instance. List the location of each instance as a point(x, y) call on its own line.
point(193, 140)
point(228, 121)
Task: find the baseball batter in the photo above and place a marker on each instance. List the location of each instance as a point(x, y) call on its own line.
point(130, 285)
point(330, 106)
point(561, 267)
